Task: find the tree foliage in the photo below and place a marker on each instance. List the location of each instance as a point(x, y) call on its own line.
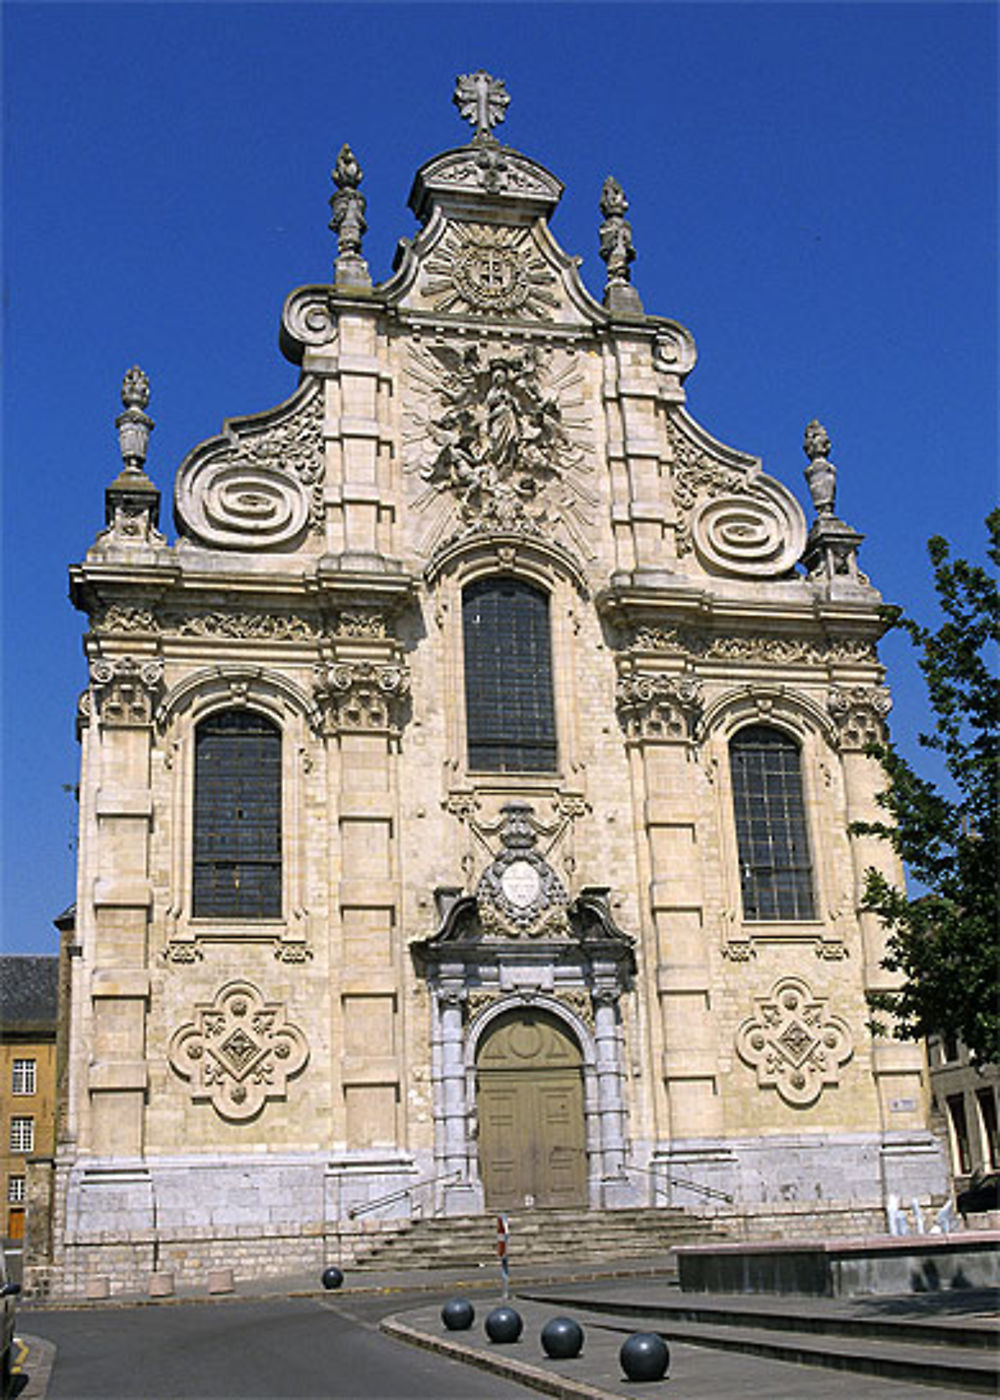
point(946, 943)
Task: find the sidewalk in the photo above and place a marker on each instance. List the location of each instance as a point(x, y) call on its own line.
point(695, 1372)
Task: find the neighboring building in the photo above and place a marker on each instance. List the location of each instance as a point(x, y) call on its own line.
point(965, 1095)
point(29, 998)
point(465, 795)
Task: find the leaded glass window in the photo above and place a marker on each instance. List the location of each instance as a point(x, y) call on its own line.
point(509, 705)
point(237, 817)
point(775, 866)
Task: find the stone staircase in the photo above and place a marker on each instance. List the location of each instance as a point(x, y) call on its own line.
point(537, 1238)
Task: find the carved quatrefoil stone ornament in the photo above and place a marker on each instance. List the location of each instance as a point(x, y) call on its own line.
point(239, 1051)
point(794, 1044)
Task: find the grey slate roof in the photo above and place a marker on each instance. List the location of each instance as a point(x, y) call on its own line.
point(29, 994)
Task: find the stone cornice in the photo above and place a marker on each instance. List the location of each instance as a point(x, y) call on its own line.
point(679, 619)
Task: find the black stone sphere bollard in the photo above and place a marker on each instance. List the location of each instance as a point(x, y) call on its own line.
point(503, 1325)
point(644, 1356)
point(332, 1277)
point(562, 1338)
point(458, 1314)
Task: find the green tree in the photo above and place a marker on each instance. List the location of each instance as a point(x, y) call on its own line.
point(946, 943)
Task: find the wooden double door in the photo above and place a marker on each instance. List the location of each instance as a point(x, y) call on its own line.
point(531, 1121)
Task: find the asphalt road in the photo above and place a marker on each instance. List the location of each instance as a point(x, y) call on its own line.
point(249, 1351)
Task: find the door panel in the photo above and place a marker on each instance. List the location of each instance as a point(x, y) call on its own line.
point(501, 1136)
point(531, 1124)
point(560, 1111)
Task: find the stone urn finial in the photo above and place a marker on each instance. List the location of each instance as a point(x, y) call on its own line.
point(821, 474)
point(134, 426)
point(617, 249)
point(132, 502)
point(347, 204)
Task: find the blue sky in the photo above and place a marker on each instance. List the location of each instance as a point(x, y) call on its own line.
point(813, 193)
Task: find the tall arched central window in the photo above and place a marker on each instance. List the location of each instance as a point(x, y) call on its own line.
point(775, 866)
point(237, 817)
point(510, 712)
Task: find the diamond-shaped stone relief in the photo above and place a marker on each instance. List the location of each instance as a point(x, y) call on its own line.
point(794, 1043)
point(239, 1051)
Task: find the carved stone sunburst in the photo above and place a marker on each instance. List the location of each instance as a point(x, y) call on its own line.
point(501, 438)
point(479, 267)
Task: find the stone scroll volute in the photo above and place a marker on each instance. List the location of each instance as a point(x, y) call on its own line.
point(260, 485)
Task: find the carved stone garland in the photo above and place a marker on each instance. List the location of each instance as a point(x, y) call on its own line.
point(238, 1051)
point(796, 1046)
point(359, 622)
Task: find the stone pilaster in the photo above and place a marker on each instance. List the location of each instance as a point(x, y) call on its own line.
point(609, 1055)
point(117, 900)
point(359, 495)
point(451, 1156)
point(363, 690)
point(635, 450)
point(860, 712)
point(658, 711)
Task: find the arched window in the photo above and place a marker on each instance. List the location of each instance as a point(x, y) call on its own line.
point(509, 705)
point(775, 866)
point(237, 817)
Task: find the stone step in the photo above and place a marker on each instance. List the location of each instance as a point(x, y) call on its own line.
point(536, 1238)
point(951, 1366)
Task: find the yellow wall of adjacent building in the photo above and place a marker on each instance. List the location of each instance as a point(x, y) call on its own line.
point(39, 1106)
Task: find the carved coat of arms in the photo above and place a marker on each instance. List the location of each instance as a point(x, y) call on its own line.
point(519, 894)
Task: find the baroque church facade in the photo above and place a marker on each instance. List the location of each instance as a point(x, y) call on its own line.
point(465, 794)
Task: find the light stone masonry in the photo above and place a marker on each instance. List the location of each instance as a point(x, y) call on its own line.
point(485, 982)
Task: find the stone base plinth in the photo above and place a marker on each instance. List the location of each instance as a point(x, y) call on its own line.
point(844, 1268)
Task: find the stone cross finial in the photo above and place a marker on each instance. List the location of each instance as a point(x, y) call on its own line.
point(134, 426)
point(347, 204)
point(482, 101)
point(821, 474)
